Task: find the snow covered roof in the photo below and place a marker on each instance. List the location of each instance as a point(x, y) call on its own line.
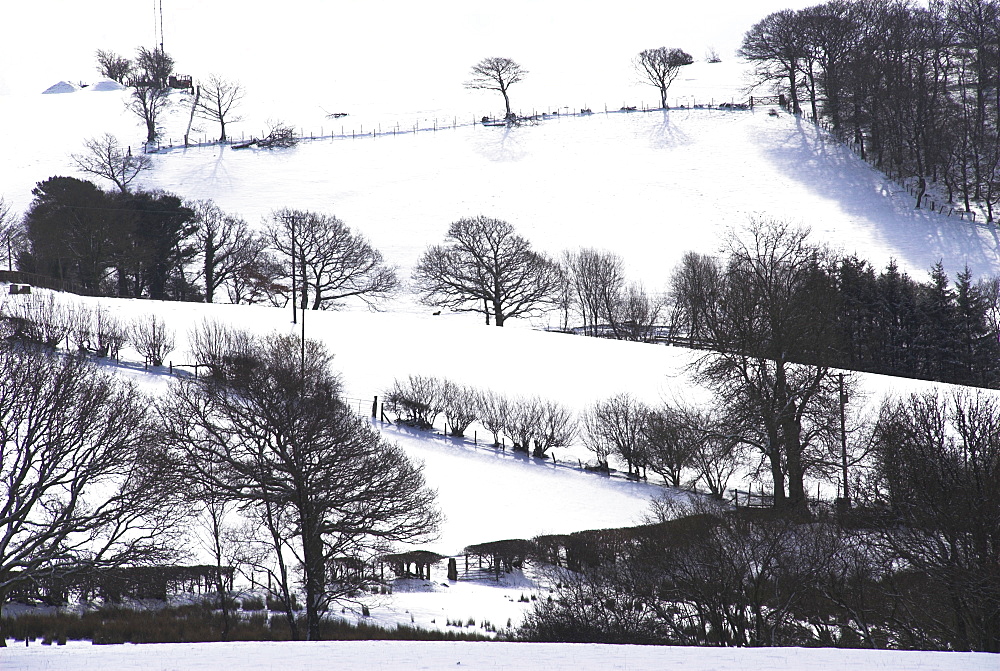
point(62, 87)
point(106, 85)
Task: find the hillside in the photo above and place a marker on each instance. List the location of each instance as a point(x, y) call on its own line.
point(648, 186)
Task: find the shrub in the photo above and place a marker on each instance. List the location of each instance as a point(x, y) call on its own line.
point(460, 407)
point(494, 413)
point(152, 339)
point(36, 319)
point(223, 350)
point(416, 401)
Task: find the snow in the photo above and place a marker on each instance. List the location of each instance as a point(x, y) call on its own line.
point(62, 87)
point(105, 85)
point(648, 186)
point(410, 656)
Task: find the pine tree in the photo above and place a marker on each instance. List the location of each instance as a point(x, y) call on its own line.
point(978, 349)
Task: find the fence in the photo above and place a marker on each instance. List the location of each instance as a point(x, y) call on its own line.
point(55, 284)
point(911, 184)
point(440, 124)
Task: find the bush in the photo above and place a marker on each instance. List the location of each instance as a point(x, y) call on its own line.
point(417, 401)
point(36, 319)
point(460, 407)
point(152, 339)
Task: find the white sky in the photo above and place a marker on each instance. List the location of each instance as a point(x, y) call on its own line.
point(383, 48)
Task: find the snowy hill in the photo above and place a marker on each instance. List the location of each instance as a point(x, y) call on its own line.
point(648, 186)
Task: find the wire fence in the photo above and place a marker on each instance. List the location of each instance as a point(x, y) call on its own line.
point(910, 183)
point(342, 131)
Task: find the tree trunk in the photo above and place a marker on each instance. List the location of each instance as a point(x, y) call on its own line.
point(498, 317)
point(313, 564)
point(209, 272)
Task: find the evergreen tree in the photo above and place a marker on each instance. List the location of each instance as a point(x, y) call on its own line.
point(978, 349)
point(896, 320)
point(937, 343)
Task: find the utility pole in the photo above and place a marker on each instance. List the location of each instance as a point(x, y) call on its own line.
point(291, 221)
point(302, 364)
point(843, 442)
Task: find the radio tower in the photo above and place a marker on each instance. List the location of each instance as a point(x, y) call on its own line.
point(158, 21)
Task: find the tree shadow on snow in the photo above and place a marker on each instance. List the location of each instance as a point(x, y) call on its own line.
point(918, 238)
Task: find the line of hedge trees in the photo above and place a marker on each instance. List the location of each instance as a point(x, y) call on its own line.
point(683, 445)
point(41, 319)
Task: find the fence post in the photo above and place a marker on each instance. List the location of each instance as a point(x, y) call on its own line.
point(375, 408)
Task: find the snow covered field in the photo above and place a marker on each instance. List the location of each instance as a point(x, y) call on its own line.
point(648, 186)
point(404, 656)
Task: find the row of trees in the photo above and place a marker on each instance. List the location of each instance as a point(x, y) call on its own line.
point(836, 311)
point(832, 310)
point(486, 267)
point(920, 574)
point(914, 86)
point(148, 76)
point(156, 245)
point(657, 67)
point(42, 321)
point(685, 446)
point(263, 455)
point(532, 424)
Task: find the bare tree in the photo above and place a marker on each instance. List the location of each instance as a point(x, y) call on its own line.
point(332, 262)
point(536, 425)
point(217, 98)
point(694, 290)
point(776, 47)
point(936, 465)
point(719, 452)
point(225, 245)
point(38, 319)
point(278, 439)
point(153, 67)
point(259, 277)
point(148, 103)
point(497, 74)
point(493, 409)
point(636, 315)
point(598, 278)
point(107, 159)
point(83, 481)
point(220, 348)
point(460, 407)
point(660, 67)
point(416, 401)
point(112, 66)
point(109, 333)
point(670, 442)
point(556, 428)
point(487, 268)
point(11, 232)
point(151, 339)
point(150, 92)
point(523, 419)
point(615, 427)
point(772, 320)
